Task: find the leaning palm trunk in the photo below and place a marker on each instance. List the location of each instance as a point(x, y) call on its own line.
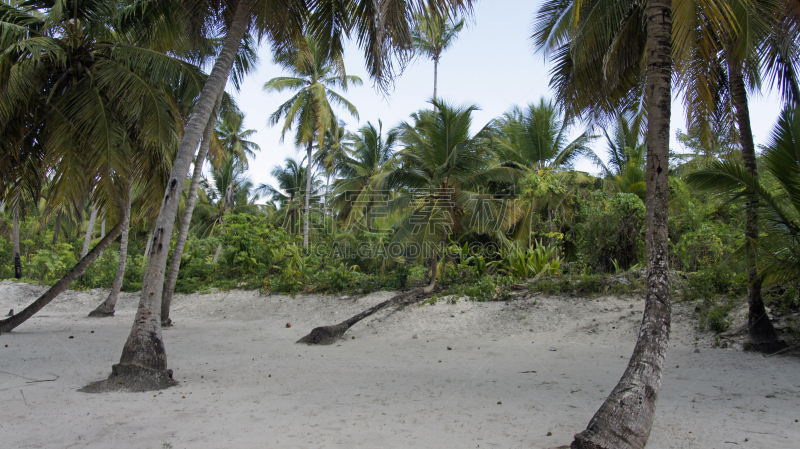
point(326, 335)
point(102, 229)
point(308, 197)
point(143, 362)
point(10, 323)
point(762, 334)
point(626, 417)
point(183, 230)
point(87, 238)
point(107, 307)
point(15, 238)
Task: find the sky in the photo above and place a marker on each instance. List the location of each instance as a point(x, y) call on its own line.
point(492, 64)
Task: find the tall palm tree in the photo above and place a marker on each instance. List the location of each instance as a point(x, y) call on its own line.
point(331, 153)
point(603, 65)
point(310, 110)
point(362, 182)
point(432, 35)
point(442, 170)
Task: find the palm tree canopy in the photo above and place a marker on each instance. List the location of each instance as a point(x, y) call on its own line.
point(434, 33)
point(309, 111)
point(537, 137)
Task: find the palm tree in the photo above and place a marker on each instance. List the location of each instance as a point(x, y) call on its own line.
point(442, 170)
point(330, 155)
point(778, 249)
point(432, 35)
point(535, 139)
point(599, 70)
point(626, 156)
point(290, 192)
point(87, 96)
point(309, 110)
point(233, 137)
point(281, 21)
point(362, 182)
point(228, 191)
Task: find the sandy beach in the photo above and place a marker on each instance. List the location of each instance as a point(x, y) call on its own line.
point(528, 373)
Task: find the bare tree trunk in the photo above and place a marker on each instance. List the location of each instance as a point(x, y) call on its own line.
point(626, 417)
point(107, 307)
point(12, 322)
point(183, 230)
point(308, 196)
point(149, 244)
point(15, 238)
point(87, 239)
point(57, 228)
point(144, 358)
point(762, 334)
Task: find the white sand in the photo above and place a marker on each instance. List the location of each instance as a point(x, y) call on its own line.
point(384, 389)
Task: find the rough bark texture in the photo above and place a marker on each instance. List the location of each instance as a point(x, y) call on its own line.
point(10, 323)
point(308, 196)
point(327, 335)
point(626, 417)
point(144, 349)
point(762, 334)
point(149, 244)
point(15, 238)
point(87, 238)
point(107, 307)
point(183, 230)
point(57, 228)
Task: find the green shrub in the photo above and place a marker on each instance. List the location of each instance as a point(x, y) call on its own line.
point(609, 230)
point(715, 281)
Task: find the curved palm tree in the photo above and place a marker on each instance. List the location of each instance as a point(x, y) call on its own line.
point(442, 170)
point(362, 172)
point(432, 35)
point(310, 110)
point(612, 57)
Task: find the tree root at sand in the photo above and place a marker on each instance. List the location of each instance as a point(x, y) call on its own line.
point(132, 378)
point(327, 335)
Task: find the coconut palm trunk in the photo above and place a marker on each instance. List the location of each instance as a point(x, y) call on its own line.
point(57, 228)
point(762, 334)
point(107, 307)
point(144, 358)
point(183, 230)
point(626, 417)
point(308, 194)
point(12, 322)
point(15, 238)
point(435, 75)
point(87, 238)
